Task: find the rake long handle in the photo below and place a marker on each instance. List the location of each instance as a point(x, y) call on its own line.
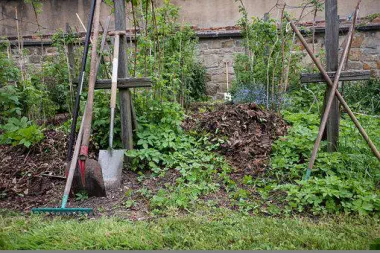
point(73, 163)
point(337, 93)
point(332, 93)
point(115, 67)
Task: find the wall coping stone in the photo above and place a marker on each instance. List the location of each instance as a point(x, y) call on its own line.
point(203, 34)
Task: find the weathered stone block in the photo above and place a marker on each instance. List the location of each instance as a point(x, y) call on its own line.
point(355, 55)
point(372, 51)
point(354, 65)
point(51, 50)
point(371, 42)
point(238, 43)
point(219, 78)
point(219, 96)
point(203, 45)
point(215, 44)
point(376, 20)
point(211, 89)
point(211, 60)
point(35, 59)
point(366, 66)
point(357, 41)
point(375, 73)
point(310, 40)
point(369, 57)
point(208, 77)
point(228, 43)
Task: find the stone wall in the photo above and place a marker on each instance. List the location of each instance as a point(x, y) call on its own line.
point(217, 55)
point(215, 52)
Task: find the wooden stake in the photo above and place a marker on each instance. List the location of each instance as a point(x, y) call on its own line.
point(331, 96)
point(125, 94)
point(332, 49)
point(337, 94)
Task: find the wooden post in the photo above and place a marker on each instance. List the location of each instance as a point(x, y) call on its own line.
point(70, 55)
point(332, 49)
point(125, 94)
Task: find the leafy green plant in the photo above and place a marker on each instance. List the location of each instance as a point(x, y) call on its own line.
point(364, 96)
point(268, 66)
point(21, 132)
point(81, 196)
point(344, 181)
point(162, 145)
point(129, 203)
point(165, 51)
point(332, 195)
point(9, 72)
point(10, 102)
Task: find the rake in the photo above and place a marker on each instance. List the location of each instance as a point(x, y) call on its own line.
point(63, 209)
point(81, 135)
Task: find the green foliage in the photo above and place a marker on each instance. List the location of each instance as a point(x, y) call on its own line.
point(54, 76)
point(101, 121)
point(166, 52)
point(36, 101)
point(364, 96)
point(196, 83)
point(20, 132)
point(36, 4)
point(162, 146)
point(345, 181)
point(9, 72)
point(10, 104)
point(80, 196)
point(268, 65)
point(332, 195)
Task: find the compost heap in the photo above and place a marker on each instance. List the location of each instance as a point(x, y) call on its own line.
point(249, 132)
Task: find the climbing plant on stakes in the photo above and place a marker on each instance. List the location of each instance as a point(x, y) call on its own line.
point(267, 66)
point(164, 50)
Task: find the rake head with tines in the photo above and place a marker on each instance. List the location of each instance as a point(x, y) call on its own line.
point(63, 210)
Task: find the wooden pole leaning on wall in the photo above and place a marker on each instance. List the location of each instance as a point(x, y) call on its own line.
point(337, 93)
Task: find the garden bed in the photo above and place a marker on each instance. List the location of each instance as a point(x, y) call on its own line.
point(28, 177)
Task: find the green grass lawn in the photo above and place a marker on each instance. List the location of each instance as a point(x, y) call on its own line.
point(219, 229)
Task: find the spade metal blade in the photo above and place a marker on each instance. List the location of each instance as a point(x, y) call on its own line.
point(111, 162)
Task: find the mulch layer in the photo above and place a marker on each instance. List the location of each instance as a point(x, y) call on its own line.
point(35, 177)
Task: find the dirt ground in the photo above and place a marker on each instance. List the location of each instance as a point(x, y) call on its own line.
point(35, 177)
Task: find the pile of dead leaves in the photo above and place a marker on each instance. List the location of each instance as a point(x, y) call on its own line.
point(249, 132)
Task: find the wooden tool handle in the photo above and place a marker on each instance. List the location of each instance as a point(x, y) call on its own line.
point(91, 82)
point(115, 65)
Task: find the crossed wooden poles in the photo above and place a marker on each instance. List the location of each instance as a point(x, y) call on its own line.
point(334, 91)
